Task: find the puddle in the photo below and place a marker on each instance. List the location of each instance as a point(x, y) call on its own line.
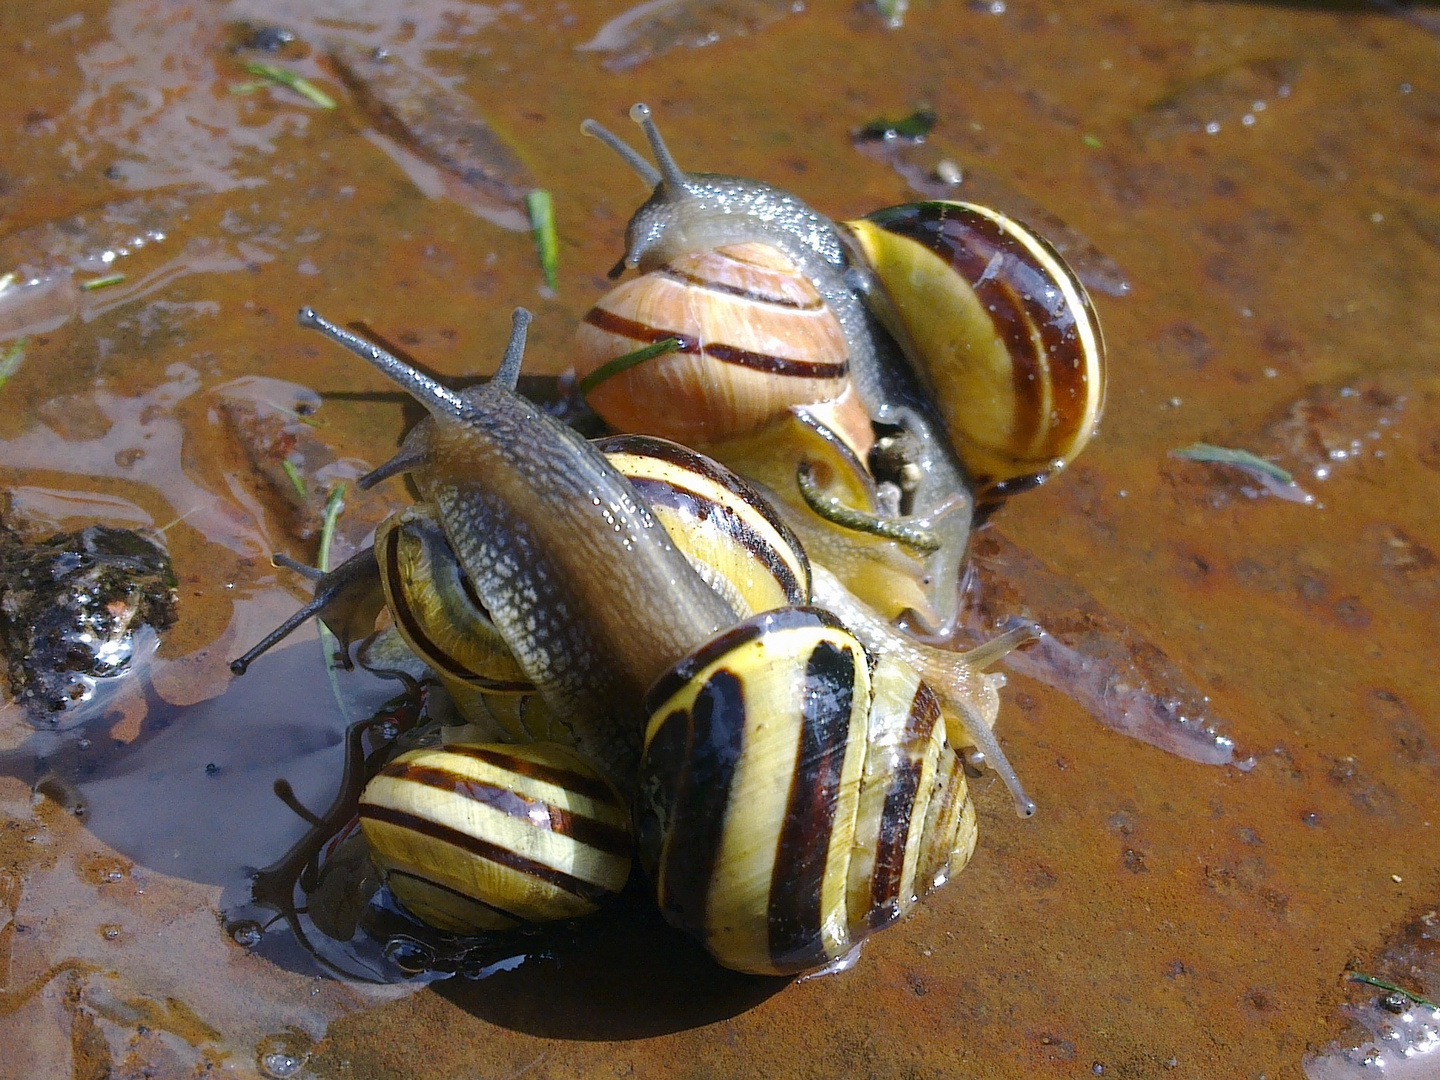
point(1164, 914)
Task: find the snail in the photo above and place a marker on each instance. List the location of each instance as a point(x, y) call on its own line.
point(669, 697)
point(1005, 376)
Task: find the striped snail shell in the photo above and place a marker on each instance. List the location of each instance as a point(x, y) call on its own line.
point(726, 530)
point(792, 802)
point(793, 791)
point(998, 327)
point(994, 324)
point(474, 837)
point(754, 337)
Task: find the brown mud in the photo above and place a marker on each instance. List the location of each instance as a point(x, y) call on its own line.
point(1267, 177)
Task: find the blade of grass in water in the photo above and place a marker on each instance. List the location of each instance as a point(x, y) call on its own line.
point(102, 282)
point(301, 85)
point(611, 368)
point(1371, 980)
point(542, 226)
point(1270, 476)
point(296, 479)
point(11, 359)
point(333, 506)
point(328, 642)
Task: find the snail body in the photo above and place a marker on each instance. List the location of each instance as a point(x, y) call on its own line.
point(555, 543)
point(1002, 377)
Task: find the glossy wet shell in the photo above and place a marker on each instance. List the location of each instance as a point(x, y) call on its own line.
point(435, 607)
point(755, 337)
point(782, 816)
point(997, 326)
point(485, 836)
point(729, 531)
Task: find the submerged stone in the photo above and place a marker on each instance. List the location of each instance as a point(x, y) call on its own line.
point(70, 610)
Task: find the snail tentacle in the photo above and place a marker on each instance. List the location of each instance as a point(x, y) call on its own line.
point(959, 684)
point(507, 375)
point(407, 460)
point(350, 577)
point(1000, 646)
point(436, 398)
point(672, 176)
point(631, 157)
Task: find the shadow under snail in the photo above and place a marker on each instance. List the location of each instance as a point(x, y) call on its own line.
point(775, 310)
point(790, 769)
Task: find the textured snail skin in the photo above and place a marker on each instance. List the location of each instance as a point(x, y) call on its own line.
point(561, 552)
point(728, 532)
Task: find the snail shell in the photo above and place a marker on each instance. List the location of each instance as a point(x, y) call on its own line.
point(478, 837)
point(754, 337)
point(999, 329)
point(791, 803)
point(726, 530)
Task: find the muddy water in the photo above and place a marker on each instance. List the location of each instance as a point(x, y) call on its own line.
point(1265, 176)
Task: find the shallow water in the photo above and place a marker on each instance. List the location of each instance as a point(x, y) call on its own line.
point(1267, 177)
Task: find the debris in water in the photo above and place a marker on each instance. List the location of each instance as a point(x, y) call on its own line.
point(542, 225)
point(931, 170)
point(893, 12)
point(1123, 680)
point(441, 125)
point(102, 282)
point(1233, 96)
point(915, 126)
point(11, 357)
point(285, 77)
point(654, 28)
point(71, 611)
point(1271, 477)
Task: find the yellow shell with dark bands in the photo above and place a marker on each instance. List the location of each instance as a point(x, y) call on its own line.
point(435, 608)
point(475, 837)
point(722, 525)
point(880, 572)
point(791, 802)
point(755, 337)
point(999, 329)
point(726, 528)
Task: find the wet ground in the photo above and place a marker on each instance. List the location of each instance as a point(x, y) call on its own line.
point(1267, 178)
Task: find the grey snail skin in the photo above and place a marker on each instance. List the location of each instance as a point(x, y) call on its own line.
point(787, 789)
point(955, 325)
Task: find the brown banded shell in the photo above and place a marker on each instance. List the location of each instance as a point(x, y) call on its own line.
point(755, 337)
point(999, 329)
point(477, 837)
point(792, 802)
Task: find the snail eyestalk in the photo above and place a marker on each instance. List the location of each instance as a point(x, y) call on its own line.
point(983, 656)
point(508, 374)
point(436, 398)
point(628, 153)
point(836, 512)
point(673, 176)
